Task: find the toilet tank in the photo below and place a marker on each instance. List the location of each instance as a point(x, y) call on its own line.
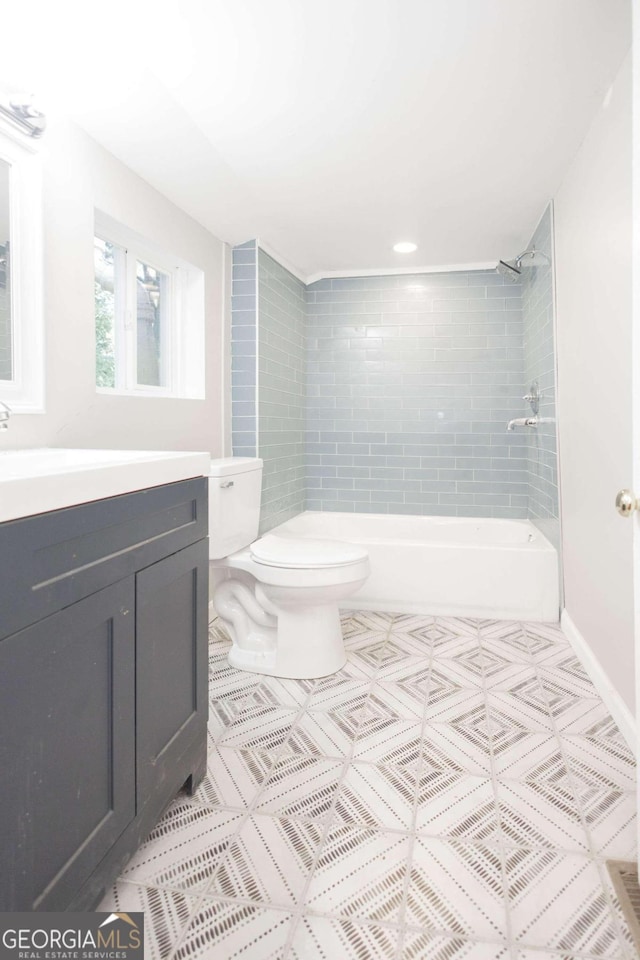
point(235, 485)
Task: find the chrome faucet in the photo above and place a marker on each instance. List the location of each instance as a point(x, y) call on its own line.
point(522, 422)
point(528, 422)
point(5, 414)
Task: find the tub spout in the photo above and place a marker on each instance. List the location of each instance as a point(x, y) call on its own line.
point(522, 422)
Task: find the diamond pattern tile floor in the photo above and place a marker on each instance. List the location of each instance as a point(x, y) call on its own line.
point(451, 794)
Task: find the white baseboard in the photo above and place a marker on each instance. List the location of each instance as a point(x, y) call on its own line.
point(612, 699)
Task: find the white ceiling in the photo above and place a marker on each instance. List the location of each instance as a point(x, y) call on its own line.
point(332, 129)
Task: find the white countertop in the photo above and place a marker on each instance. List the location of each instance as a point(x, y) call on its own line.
point(36, 481)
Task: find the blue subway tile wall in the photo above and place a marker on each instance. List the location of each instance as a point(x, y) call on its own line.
point(244, 354)
point(410, 383)
point(539, 365)
point(281, 376)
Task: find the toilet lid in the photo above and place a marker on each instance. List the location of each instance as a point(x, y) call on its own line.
point(295, 552)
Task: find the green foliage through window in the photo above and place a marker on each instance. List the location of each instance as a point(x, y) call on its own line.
point(105, 355)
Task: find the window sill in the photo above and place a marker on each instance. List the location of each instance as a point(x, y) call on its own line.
point(144, 394)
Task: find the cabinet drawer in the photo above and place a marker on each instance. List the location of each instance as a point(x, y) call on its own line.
point(52, 560)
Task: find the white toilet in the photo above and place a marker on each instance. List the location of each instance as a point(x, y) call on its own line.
point(278, 596)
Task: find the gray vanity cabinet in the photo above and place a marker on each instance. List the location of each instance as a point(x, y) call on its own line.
point(103, 686)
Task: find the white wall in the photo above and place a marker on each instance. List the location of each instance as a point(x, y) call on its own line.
point(593, 278)
point(80, 176)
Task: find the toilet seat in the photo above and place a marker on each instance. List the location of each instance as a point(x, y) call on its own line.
point(296, 553)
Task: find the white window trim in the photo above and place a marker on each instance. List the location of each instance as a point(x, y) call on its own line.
point(25, 392)
point(184, 343)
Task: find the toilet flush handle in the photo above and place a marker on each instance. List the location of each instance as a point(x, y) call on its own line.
point(226, 485)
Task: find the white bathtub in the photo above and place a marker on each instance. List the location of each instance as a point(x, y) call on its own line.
point(445, 566)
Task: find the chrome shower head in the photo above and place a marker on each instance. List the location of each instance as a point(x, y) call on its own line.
point(509, 269)
point(512, 269)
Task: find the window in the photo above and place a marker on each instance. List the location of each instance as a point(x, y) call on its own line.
point(149, 315)
point(21, 329)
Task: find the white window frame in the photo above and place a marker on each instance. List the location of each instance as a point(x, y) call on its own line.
point(25, 392)
point(182, 350)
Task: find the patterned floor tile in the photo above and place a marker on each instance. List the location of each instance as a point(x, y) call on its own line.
point(526, 709)
point(510, 676)
point(262, 728)
point(453, 646)
point(402, 645)
point(234, 777)
point(218, 634)
point(357, 624)
point(552, 632)
point(507, 637)
point(610, 816)
point(381, 797)
point(405, 699)
point(225, 931)
point(456, 888)
point(579, 716)
point(558, 902)
point(301, 787)
point(423, 945)
point(406, 668)
point(278, 692)
point(535, 757)
point(447, 747)
point(321, 734)
point(339, 693)
point(509, 641)
point(360, 873)
point(457, 805)
point(442, 634)
point(604, 728)
point(544, 955)
point(464, 671)
point(544, 643)
point(628, 948)
point(534, 814)
point(184, 849)
point(166, 914)
point(222, 713)
point(389, 742)
point(600, 763)
point(559, 680)
point(227, 682)
point(319, 938)
point(269, 861)
point(361, 665)
point(452, 705)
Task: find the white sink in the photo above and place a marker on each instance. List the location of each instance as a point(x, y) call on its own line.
point(35, 481)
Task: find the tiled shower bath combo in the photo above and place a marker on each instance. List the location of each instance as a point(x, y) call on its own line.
point(408, 383)
point(453, 792)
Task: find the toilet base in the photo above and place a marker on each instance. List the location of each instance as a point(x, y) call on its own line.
point(309, 645)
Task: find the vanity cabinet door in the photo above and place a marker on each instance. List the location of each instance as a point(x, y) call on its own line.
point(171, 669)
point(67, 760)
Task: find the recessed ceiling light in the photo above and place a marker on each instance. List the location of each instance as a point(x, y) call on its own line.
point(405, 247)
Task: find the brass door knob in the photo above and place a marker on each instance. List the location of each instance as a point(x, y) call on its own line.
point(626, 503)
